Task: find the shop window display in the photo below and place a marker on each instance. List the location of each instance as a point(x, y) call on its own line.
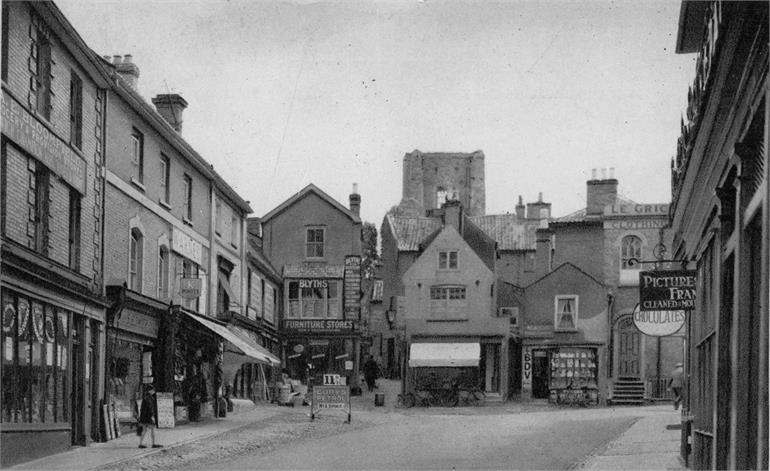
point(35, 346)
point(574, 376)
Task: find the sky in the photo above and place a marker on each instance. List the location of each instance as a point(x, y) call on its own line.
point(283, 94)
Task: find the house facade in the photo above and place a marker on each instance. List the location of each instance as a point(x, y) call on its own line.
point(450, 304)
point(315, 242)
point(719, 216)
point(51, 279)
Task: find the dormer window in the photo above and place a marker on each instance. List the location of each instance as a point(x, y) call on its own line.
point(447, 260)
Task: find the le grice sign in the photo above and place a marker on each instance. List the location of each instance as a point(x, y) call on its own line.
point(670, 290)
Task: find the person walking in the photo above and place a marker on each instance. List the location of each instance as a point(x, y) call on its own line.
point(675, 383)
point(147, 418)
point(370, 373)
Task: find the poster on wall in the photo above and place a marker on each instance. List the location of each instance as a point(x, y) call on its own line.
point(352, 287)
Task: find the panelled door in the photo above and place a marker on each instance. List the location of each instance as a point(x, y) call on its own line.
point(629, 341)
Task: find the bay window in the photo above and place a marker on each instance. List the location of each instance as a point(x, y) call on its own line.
point(317, 298)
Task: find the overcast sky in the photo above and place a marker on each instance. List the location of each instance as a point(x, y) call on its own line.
point(282, 94)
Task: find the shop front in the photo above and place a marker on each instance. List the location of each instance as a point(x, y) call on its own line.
point(50, 373)
point(318, 347)
point(468, 364)
point(132, 338)
point(562, 374)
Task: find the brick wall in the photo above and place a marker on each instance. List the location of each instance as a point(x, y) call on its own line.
point(20, 83)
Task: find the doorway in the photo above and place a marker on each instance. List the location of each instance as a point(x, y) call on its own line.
point(629, 342)
point(77, 397)
point(540, 374)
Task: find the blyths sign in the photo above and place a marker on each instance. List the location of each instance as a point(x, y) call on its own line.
point(667, 290)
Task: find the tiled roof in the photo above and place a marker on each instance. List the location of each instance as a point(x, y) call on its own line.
point(410, 232)
point(304, 192)
point(510, 232)
point(313, 271)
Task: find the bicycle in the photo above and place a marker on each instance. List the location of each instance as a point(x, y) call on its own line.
point(471, 397)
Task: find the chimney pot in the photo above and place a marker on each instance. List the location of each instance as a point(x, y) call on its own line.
point(355, 201)
point(116, 59)
point(355, 188)
point(127, 70)
point(540, 197)
point(612, 172)
point(593, 174)
point(604, 173)
point(127, 59)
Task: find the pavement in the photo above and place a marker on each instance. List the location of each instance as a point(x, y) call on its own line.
point(650, 443)
point(126, 447)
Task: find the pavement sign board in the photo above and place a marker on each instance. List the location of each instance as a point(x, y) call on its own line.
point(330, 397)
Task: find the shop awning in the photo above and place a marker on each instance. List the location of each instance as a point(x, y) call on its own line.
point(444, 354)
point(242, 333)
point(246, 345)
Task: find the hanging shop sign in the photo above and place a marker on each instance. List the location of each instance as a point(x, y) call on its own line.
point(658, 323)
point(190, 288)
point(320, 326)
point(667, 290)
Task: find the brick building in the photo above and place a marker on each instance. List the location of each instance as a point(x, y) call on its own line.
point(53, 110)
point(176, 259)
point(720, 218)
point(315, 242)
point(598, 251)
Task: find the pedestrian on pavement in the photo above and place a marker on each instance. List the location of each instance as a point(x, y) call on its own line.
point(370, 372)
point(147, 418)
point(675, 383)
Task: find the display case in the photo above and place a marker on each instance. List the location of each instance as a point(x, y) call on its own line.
point(574, 376)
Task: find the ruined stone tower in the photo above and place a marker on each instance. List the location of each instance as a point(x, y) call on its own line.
point(431, 178)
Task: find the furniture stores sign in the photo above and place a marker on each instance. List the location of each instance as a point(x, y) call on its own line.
point(664, 297)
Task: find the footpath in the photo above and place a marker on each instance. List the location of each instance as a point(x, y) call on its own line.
point(126, 447)
point(651, 443)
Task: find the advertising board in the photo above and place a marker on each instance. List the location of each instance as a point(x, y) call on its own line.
point(330, 397)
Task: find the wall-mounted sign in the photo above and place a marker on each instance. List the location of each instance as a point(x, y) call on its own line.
point(658, 323)
point(138, 323)
point(186, 246)
point(667, 290)
point(636, 210)
point(320, 326)
point(190, 288)
point(526, 379)
point(635, 224)
point(26, 131)
point(352, 287)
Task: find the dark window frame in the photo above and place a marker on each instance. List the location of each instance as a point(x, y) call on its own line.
point(43, 68)
point(76, 110)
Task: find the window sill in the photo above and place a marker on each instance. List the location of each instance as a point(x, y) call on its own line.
point(138, 184)
point(164, 204)
point(187, 221)
point(568, 331)
point(456, 319)
point(233, 246)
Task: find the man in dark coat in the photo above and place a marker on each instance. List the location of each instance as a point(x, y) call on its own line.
point(371, 371)
point(147, 417)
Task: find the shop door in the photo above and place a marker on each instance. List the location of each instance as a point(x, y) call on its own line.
point(391, 358)
point(77, 380)
point(540, 374)
point(629, 340)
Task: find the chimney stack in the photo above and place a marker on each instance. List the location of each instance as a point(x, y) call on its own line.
point(355, 201)
point(539, 209)
point(600, 193)
point(520, 214)
point(127, 70)
point(170, 106)
point(453, 214)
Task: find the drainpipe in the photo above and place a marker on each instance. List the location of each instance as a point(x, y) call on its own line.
point(610, 349)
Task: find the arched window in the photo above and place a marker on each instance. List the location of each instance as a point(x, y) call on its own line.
point(135, 260)
point(630, 247)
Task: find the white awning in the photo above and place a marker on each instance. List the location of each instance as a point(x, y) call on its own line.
point(247, 346)
point(444, 354)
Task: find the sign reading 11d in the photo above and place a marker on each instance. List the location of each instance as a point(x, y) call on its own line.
point(667, 290)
